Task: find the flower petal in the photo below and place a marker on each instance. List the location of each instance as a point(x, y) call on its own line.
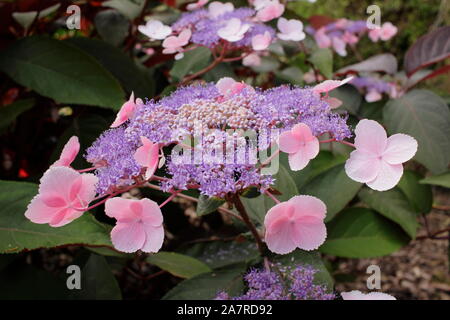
point(69, 152)
point(309, 233)
point(279, 237)
point(310, 206)
point(151, 213)
point(388, 176)
point(400, 148)
point(128, 237)
point(119, 208)
point(298, 160)
point(370, 136)
point(154, 238)
point(288, 142)
point(361, 166)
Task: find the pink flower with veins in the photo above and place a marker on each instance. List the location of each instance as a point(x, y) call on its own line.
point(216, 9)
point(300, 144)
point(228, 86)
point(196, 5)
point(148, 156)
point(322, 40)
point(296, 223)
point(377, 160)
point(290, 29)
point(64, 194)
point(126, 111)
point(252, 59)
point(69, 153)
point(139, 224)
point(271, 9)
point(261, 41)
point(234, 30)
point(385, 32)
point(358, 295)
point(175, 44)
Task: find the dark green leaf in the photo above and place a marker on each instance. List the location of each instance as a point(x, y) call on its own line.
point(362, 233)
point(208, 205)
point(18, 233)
point(419, 196)
point(394, 205)
point(60, 71)
point(112, 26)
point(11, 111)
point(193, 61)
point(218, 254)
point(425, 116)
point(179, 265)
point(207, 285)
point(97, 281)
point(442, 180)
point(334, 188)
point(350, 97)
point(119, 64)
point(323, 60)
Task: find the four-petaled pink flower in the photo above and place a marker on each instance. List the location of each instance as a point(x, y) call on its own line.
point(297, 223)
point(261, 41)
point(271, 9)
point(216, 8)
point(148, 156)
point(175, 44)
point(155, 30)
point(126, 111)
point(234, 30)
point(377, 160)
point(290, 29)
point(69, 153)
point(385, 32)
point(358, 295)
point(300, 144)
point(64, 194)
point(139, 224)
point(196, 5)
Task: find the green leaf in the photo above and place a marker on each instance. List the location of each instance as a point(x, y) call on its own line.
point(292, 75)
point(193, 61)
point(324, 161)
point(442, 180)
point(58, 70)
point(208, 205)
point(258, 207)
point(308, 258)
point(11, 111)
point(350, 97)
point(322, 59)
point(17, 233)
point(179, 265)
point(334, 188)
point(372, 110)
point(112, 26)
point(425, 116)
point(394, 205)
point(362, 233)
point(419, 196)
point(207, 285)
point(218, 254)
point(119, 64)
point(97, 281)
point(218, 72)
point(129, 8)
